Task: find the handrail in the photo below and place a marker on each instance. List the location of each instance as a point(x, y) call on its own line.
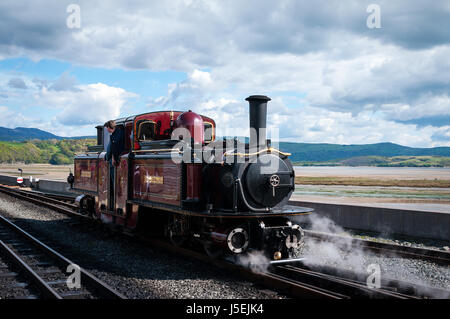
point(269, 150)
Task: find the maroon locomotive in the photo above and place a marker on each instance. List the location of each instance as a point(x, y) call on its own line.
point(175, 179)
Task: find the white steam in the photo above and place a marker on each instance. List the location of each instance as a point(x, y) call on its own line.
point(341, 253)
point(256, 261)
point(345, 255)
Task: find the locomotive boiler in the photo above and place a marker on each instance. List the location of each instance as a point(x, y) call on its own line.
point(176, 179)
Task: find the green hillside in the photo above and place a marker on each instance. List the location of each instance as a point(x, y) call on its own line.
point(49, 151)
point(314, 153)
point(55, 151)
point(383, 161)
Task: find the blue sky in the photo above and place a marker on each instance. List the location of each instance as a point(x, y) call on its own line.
point(144, 83)
point(331, 77)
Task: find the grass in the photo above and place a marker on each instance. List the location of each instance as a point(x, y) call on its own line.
point(442, 194)
point(356, 181)
point(383, 161)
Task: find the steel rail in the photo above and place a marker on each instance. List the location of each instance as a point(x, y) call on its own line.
point(352, 288)
point(48, 197)
point(43, 201)
point(296, 289)
point(386, 283)
point(59, 197)
point(386, 249)
point(46, 291)
point(343, 288)
point(269, 280)
point(87, 278)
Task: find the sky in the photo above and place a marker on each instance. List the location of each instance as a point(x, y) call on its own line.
point(347, 72)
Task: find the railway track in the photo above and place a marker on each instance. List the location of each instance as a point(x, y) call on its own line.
point(43, 269)
point(14, 283)
point(343, 288)
point(60, 206)
point(385, 249)
point(294, 279)
point(389, 287)
point(299, 281)
point(61, 200)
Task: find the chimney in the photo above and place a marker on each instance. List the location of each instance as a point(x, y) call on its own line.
point(258, 119)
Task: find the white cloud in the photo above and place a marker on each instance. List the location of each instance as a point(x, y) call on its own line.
point(17, 83)
point(62, 106)
point(316, 125)
point(427, 106)
point(200, 79)
point(89, 104)
point(194, 88)
point(78, 110)
point(342, 82)
point(11, 118)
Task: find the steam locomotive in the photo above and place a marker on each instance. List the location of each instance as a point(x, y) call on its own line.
point(174, 178)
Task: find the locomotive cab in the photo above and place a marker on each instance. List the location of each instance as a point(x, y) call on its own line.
point(147, 136)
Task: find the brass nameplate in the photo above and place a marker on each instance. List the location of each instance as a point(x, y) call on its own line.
point(86, 174)
point(154, 179)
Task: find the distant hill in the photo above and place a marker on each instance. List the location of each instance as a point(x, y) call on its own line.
point(24, 134)
point(384, 161)
point(380, 154)
point(306, 152)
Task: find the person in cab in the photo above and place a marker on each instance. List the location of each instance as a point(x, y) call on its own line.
point(115, 147)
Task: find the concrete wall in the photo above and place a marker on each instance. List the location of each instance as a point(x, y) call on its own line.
point(44, 185)
point(53, 186)
point(10, 180)
point(385, 220)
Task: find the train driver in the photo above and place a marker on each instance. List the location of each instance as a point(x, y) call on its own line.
point(115, 146)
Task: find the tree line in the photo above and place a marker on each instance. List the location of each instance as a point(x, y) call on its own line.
point(51, 151)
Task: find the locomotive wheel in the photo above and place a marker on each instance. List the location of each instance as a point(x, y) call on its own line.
point(176, 240)
point(212, 250)
point(174, 232)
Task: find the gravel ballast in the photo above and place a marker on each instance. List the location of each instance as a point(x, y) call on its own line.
point(414, 271)
point(138, 271)
point(133, 269)
point(342, 254)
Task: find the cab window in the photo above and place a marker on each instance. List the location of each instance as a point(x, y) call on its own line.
point(146, 131)
point(209, 132)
